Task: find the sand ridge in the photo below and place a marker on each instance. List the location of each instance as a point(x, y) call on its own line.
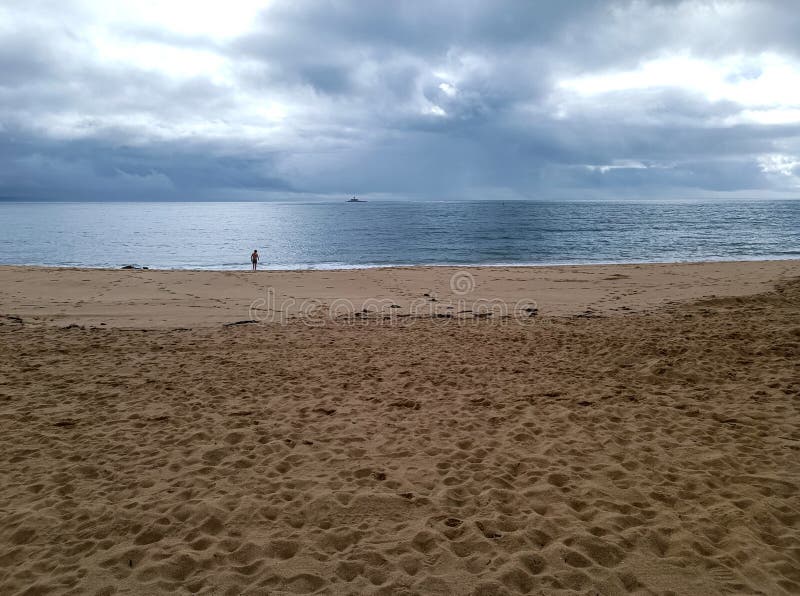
point(654, 453)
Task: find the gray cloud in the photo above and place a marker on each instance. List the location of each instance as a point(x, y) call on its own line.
point(405, 100)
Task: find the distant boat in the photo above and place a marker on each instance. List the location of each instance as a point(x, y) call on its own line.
point(355, 200)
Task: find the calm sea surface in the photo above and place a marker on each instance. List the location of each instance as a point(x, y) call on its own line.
point(340, 235)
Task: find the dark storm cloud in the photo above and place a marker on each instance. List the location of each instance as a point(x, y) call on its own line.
point(401, 99)
point(96, 169)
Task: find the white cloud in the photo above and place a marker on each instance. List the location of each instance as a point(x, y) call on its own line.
point(447, 89)
point(777, 163)
point(767, 116)
point(173, 61)
point(767, 85)
point(618, 165)
point(210, 18)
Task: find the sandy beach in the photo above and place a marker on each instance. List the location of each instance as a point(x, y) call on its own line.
point(625, 429)
point(149, 299)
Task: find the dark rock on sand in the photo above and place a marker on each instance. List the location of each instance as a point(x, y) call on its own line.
point(246, 322)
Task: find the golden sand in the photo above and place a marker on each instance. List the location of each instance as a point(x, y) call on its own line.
point(647, 450)
point(170, 299)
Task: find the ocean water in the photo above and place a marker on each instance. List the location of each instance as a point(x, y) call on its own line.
point(341, 235)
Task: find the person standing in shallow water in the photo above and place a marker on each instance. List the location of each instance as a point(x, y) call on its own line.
point(254, 259)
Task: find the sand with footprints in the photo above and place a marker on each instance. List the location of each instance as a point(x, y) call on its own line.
point(647, 450)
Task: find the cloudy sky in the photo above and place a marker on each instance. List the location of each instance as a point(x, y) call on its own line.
point(299, 99)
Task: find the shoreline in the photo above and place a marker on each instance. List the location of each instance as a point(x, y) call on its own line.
point(158, 298)
point(294, 269)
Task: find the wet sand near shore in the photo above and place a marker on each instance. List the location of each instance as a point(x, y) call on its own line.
point(654, 450)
